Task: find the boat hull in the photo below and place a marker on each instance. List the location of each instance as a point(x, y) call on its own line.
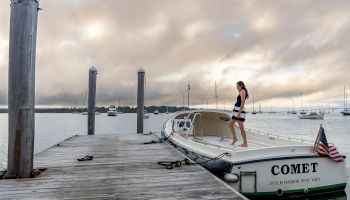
point(346, 113)
point(295, 171)
point(112, 113)
point(311, 117)
point(289, 176)
point(277, 177)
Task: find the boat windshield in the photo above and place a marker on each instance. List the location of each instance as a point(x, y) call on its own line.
point(184, 123)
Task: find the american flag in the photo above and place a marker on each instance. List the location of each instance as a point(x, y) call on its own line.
point(325, 149)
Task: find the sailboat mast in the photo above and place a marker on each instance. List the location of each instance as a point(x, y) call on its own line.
point(301, 102)
point(224, 106)
point(346, 100)
point(259, 108)
point(253, 103)
point(188, 96)
point(344, 97)
point(118, 104)
point(216, 97)
point(183, 102)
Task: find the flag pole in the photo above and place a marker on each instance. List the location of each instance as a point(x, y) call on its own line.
point(317, 141)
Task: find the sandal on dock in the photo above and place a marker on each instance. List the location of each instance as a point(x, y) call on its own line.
point(87, 157)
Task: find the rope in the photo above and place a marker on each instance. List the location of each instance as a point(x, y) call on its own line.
point(178, 163)
point(153, 142)
point(160, 140)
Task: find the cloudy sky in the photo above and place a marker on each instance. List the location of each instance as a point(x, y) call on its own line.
point(280, 49)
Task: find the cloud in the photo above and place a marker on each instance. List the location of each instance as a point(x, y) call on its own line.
point(279, 48)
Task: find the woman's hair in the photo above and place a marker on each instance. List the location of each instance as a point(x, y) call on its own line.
point(241, 83)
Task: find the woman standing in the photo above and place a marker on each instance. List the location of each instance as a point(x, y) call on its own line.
point(239, 114)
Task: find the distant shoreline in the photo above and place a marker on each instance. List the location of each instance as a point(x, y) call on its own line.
point(123, 109)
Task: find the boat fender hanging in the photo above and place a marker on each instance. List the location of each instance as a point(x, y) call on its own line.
point(279, 192)
point(234, 178)
point(217, 166)
point(306, 190)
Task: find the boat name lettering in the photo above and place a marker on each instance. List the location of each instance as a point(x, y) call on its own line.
point(301, 168)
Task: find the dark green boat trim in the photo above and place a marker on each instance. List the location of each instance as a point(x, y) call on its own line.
point(336, 187)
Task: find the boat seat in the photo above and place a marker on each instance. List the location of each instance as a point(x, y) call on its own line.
point(185, 128)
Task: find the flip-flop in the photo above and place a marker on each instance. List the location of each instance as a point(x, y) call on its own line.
point(87, 157)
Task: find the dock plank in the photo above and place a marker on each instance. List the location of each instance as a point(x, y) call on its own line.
point(123, 168)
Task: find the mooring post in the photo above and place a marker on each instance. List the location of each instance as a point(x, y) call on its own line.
point(21, 87)
point(92, 101)
point(140, 99)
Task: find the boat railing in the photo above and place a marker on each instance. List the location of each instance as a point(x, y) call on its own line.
point(279, 136)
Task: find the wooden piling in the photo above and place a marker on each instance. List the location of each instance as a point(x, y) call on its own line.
point(92, 101)
point(140, 99)
point(21, 83)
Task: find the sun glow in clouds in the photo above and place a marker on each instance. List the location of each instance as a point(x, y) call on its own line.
point(1, 58)
point(3, 45)
point(95, 30)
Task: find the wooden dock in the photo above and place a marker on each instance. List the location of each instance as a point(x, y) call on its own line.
point(123, 168)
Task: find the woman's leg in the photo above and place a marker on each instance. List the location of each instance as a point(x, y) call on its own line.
point(230, 124)
point(244, 135)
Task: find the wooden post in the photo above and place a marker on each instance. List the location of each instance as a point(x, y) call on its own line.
point(21, 87)
point(92, 101)
point(140, 99)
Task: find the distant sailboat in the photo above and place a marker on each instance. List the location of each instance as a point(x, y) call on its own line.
point(167, 109)
point(75, 111)
point(84, 102)
point(302, 112)
point(254, 112)
point(293, 111)
point(272, 111)
point(156, 112)
point(118, 109)
point(145, 114)
point(346, 111)
point(216, 97)
point(260, 111)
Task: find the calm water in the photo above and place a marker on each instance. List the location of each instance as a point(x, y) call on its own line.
point(53, 128)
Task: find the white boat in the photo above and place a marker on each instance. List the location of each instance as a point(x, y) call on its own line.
point(312, 115)
point(270, 166)
point(145, 114)
point(253, 112)
point(303, 112)
point(156, 112)
point(112, 111)
point(346, 113)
